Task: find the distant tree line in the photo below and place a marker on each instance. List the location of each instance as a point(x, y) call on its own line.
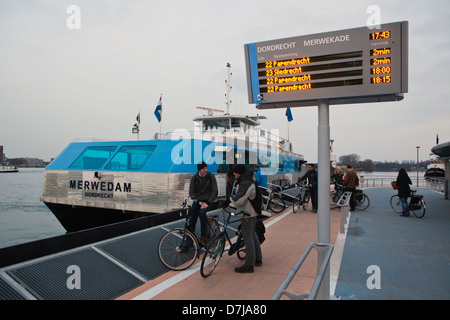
point(368, 165)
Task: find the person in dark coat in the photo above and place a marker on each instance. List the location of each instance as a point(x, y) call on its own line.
point(403, 182)
point(203, 190)
point(311, 175)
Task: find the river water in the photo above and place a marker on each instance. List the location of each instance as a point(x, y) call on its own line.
point(24, 218)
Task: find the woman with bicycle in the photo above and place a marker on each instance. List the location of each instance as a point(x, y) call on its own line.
point(403, 182)
point(246, 191)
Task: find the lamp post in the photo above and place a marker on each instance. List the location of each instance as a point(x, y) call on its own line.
point(418, 147)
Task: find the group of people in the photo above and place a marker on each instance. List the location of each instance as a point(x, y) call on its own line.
point(350, 181)
point(203, 190)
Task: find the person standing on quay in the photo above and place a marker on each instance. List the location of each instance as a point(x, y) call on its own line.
point(246, 190)
point(403, 182)
point(311, 175)
point(351, 180)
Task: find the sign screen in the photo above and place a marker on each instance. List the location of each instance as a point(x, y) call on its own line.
point(348, 66)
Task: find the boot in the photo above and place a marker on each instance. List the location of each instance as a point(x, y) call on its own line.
point(244, 269)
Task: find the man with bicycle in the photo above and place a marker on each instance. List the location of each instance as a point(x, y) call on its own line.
point(246, 191)
point(311, 175)
point(203, 190)
point(351, 180)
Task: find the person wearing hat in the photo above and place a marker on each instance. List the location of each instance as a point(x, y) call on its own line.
point(246, 190)
point(203, 190)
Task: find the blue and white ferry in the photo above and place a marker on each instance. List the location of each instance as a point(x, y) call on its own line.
point(94, 183)
point(101, 182)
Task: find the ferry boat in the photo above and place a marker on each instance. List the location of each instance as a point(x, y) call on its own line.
point(436, 169)
point(93, 183)
point(8, 169)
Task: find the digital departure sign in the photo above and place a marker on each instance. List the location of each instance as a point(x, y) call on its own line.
point(348, 66)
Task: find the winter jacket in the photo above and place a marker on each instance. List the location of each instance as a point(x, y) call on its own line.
point(245, 191)
point(403, 182)
point(312, 177)
point(351, 179)
point(203, 189)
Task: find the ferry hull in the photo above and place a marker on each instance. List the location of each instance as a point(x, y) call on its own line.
point(76, 218)
point(80, 200)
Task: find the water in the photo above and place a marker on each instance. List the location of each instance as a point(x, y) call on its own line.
point(23, 217)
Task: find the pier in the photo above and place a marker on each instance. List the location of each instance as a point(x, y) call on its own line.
point(379, 256)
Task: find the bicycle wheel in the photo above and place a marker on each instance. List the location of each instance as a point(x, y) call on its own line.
point(419, 208)
point(241, 249)
point(297, 204)
point(178, 249)
point(396, 204)
point(212, 255)
point(362, 201)
point(212, 228)
point(306, 201)
point(276, 204)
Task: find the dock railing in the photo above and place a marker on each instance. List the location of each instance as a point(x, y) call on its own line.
point(318, 288)
point(433, 183)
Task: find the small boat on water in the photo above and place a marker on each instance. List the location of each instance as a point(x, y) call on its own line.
point(8, 169)
point(95, 183)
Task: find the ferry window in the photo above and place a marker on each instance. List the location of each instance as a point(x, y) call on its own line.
point(93, 157)
point(130, 158)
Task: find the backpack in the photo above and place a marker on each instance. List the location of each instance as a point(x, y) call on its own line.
point(260, 230)
point(258, 200)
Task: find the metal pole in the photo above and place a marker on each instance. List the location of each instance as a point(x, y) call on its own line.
point(418, 165)
point(324, 188)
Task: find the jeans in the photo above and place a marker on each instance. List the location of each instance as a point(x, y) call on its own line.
point(194, 213)
point(252, 246)
point(404, 202)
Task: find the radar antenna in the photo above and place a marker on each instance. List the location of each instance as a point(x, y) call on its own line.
point(210, 110)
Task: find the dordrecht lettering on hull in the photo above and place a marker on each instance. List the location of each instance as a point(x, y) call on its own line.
point(100, 186)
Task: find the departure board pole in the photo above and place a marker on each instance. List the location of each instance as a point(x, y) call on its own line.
point(323, 189)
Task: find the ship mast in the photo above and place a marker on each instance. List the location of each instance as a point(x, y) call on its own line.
point(227, 95)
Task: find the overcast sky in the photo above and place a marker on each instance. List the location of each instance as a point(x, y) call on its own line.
point(59, 84)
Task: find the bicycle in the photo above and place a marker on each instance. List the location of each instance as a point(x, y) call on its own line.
point(273, 199)
point(179, 248)
point(362, 200)
point(217, 246)
point(416, 204)
point(303, 198)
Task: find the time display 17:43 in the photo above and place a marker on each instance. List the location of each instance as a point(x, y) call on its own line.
point(380, 35)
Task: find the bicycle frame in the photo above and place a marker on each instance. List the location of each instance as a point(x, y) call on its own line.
point(216, 248)
point(225, 233)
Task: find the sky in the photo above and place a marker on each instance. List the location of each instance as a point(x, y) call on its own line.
point(67, 75)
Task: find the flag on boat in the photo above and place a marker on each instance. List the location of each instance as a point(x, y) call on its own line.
point(138, 118)
point(289, 114)
point(158, 110)
point(437, 139)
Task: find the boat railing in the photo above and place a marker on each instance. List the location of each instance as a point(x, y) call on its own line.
point(261, 136)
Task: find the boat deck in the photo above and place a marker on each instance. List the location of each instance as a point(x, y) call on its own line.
point(412, 255)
